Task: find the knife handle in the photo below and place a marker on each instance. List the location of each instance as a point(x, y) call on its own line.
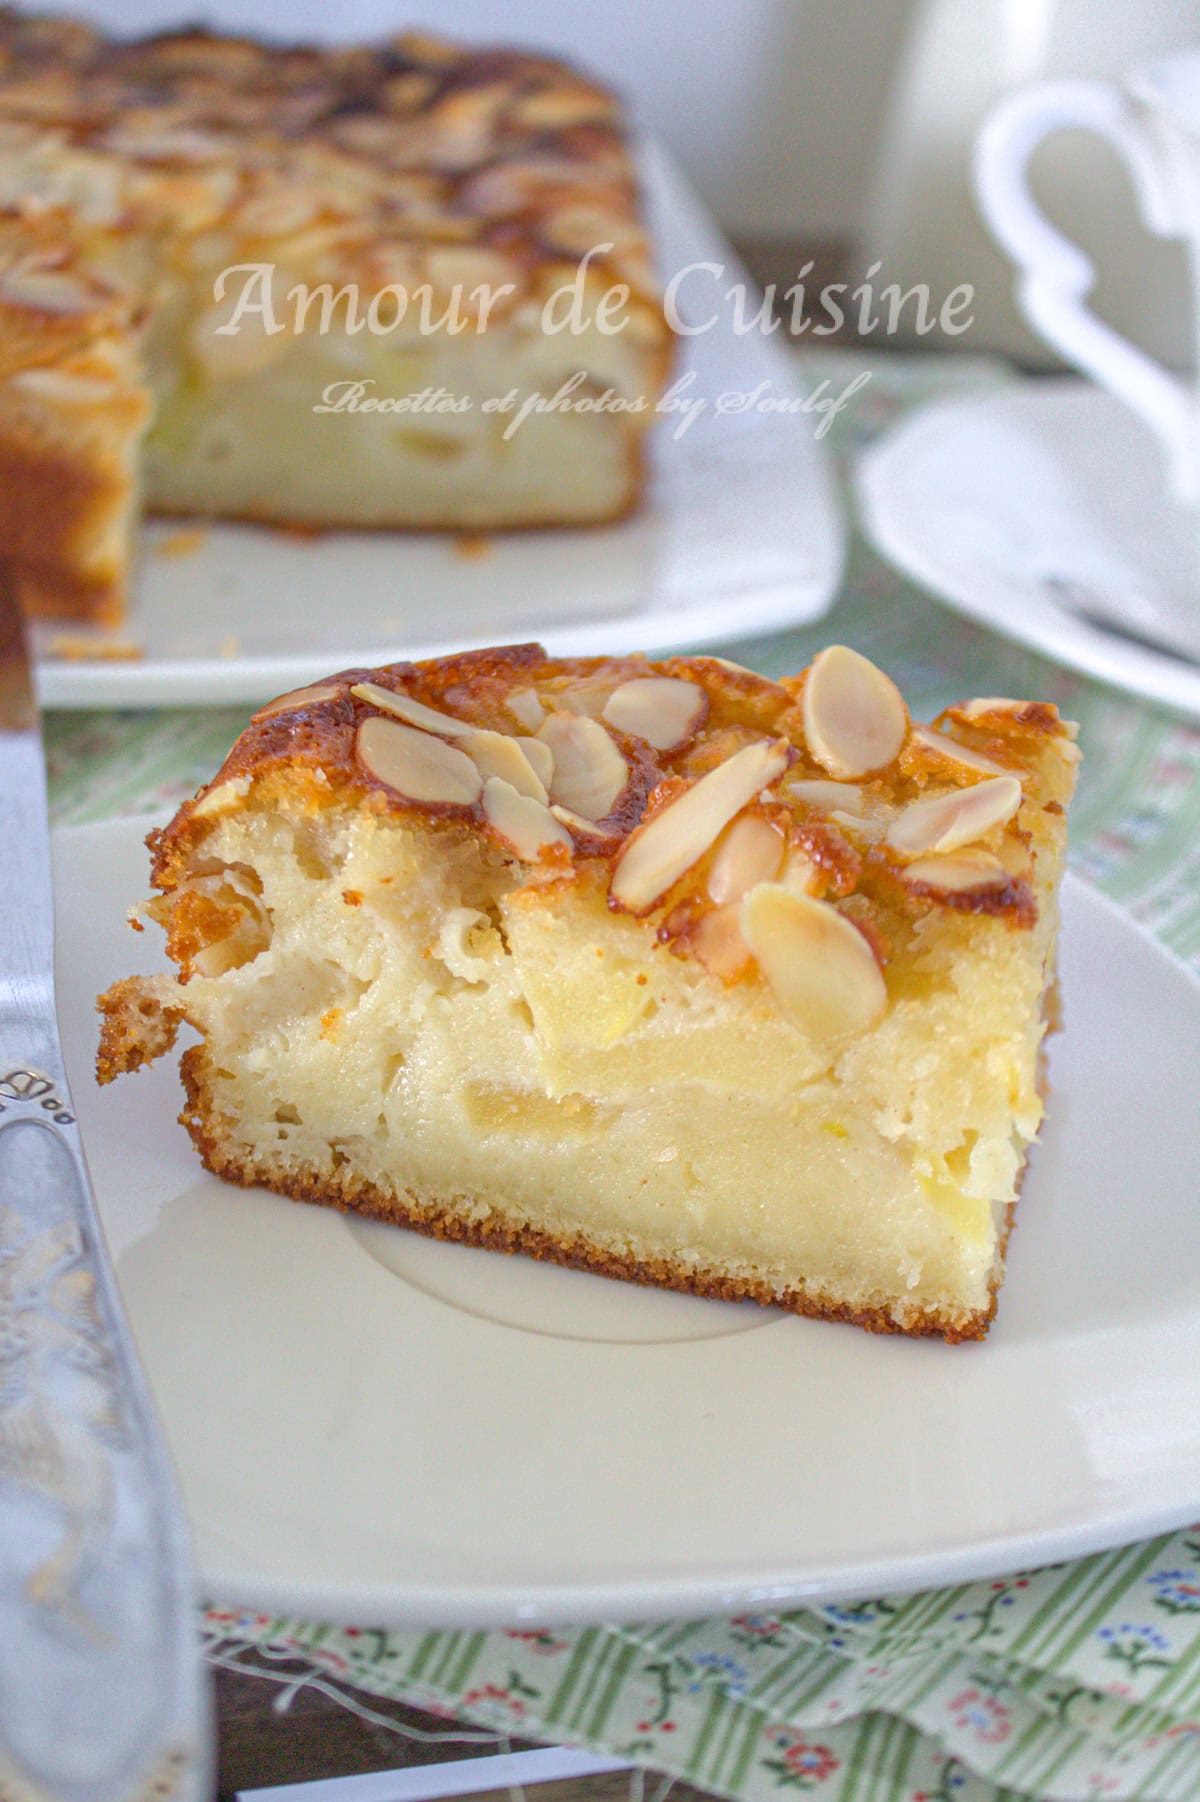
point(98, 1694)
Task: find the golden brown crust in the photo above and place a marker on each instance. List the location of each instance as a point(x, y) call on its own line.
point(134, 1028)
point(446, 1219)
point(444, 144)
point(309, 751)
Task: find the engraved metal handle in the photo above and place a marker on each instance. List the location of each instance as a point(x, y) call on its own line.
point(98, 1687)
point(101, 1698)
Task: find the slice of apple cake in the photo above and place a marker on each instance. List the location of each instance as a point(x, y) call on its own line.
point(204, 238)
point(666, 970)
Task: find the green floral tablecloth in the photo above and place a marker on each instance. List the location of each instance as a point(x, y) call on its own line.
point(1077, 1681)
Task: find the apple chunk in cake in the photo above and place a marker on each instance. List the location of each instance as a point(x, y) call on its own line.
point(203, 238)
point(665, 970)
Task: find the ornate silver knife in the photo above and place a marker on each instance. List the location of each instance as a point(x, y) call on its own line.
point(101, 1693)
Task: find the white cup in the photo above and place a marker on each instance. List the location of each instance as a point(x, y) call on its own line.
point(1153, 121)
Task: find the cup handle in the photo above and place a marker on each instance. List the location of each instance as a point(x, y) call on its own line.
point(1056, 276)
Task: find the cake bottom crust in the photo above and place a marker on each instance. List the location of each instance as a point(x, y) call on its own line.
point(444, 1217)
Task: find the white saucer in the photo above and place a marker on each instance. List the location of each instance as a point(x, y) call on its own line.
point(1024, 507)
point(372, 1427)
point(742, 534)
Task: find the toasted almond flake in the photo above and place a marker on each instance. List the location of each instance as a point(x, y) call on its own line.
point(664, 710)
point(817, 965)
point(221, 798)
point(526, 707)
point(946, 822)
point(415, 764)
point(527, 825)
point(495, 754)
point(801, 874)
point(958, 872)
point(47, 291)
point(575, 822)
point(991, 704)
point(871, 830)
point(299, 697)
point(665, 847)
point(855, 720)
point(541, 757)
point(278, 212)
point(950, 749)
point(817, 792)
point(717, 941)
point(589, 771)
point(63, 388)
point(749, 853)
point(414, 712)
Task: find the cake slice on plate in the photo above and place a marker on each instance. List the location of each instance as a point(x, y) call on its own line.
point(665, 970)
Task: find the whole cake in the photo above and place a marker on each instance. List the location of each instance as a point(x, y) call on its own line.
point(666, 970)
point(202, 238)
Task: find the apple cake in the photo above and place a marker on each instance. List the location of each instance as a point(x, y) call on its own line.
point(202, 238)
point(661, 969)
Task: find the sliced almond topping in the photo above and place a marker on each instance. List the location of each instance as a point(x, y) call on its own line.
point(953, 752)
point(946, 822)
point(854, 718)
point(742, 669)
point(525, 705)
point(750, 852)
point(541, 757)
point(991, 704)
point(299, 697)
point(416, 765)
point(1039, 719)
point(660, 852)
point(586, 694)
point(818, 966)
point(495, 754)
point(957, 873)
point(664, 710)
point(63, 388)
point(816, 792)
point(415, 712)
point(589, 771)
point(46, 291)
point(716, 939)
point(801, 874)
point(858, 825)
point(527, 825)
point(226, 795)
point(575, 822)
